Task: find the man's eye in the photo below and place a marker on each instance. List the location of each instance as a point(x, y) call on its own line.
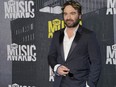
point(65, 14)
point(73, 13)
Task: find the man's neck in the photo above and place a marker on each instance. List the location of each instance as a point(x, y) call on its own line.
point(70, 31)
point(73, 28)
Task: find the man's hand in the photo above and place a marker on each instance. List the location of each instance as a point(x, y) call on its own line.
point(63, 70)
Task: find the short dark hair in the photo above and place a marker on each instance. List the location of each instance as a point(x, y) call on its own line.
point(74, 4)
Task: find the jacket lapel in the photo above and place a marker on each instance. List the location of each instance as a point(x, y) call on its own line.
point(75, 41)
point(61, 43)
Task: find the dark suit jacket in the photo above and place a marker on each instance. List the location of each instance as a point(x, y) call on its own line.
point(84, 59)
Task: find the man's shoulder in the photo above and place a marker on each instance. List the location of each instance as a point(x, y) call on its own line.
point(86, 30)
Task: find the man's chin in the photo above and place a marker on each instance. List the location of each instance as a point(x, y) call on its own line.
point(71, 26)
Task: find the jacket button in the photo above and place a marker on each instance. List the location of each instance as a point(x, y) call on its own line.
point(66, 64)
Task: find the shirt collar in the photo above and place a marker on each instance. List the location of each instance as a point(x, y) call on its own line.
point(73, 31)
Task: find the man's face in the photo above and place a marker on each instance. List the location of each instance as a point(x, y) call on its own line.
point(71, 16)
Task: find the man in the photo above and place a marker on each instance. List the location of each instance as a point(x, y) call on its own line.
point(74, 53)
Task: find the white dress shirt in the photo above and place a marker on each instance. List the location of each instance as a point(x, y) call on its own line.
point(67, 42)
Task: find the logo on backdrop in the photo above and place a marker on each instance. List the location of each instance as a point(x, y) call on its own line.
point(111, 55)
point(16, 85)
point(19, 9)
point(52, 10)
point(51, 75)
point(51, 7)
point(17, 52)
point(54, 25)
point(111, 7)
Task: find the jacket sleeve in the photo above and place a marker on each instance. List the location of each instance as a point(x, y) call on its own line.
point(95, 60)
point(52, 55)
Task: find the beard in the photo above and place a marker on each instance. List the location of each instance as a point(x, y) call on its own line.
point(71, 23)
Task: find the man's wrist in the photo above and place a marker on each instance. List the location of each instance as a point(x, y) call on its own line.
point(56, 68)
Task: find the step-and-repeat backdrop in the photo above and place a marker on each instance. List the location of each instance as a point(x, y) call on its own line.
point(26, 30)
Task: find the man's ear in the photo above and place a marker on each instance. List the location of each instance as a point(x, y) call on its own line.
point(80, 19)
point(79, 16)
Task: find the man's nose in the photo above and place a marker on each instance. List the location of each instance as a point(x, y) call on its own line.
point(68, 16)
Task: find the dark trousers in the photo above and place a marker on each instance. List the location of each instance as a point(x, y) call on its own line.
point(72, 82)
